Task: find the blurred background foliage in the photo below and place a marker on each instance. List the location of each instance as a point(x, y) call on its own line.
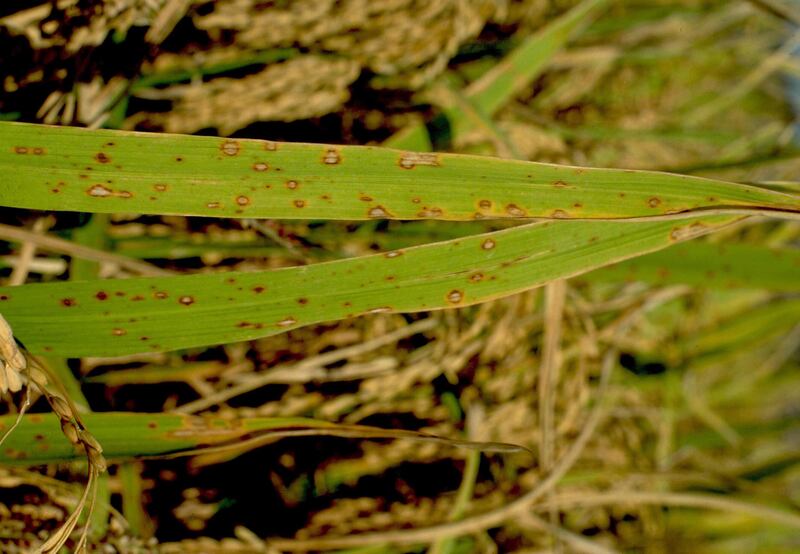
point(703, 397)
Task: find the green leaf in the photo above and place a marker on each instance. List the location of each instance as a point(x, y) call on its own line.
point(103, 171)
point(711, 265)
point(38, 437)
point(123, 435)
point(167, 313)
point(517, 70)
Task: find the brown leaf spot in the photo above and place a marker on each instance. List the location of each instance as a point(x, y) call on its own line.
point(230, 147)
point(212, 205)
point(125, 194)
point(577, 205)
point(302, 301)
point(515, 211)
point(476, 277)
point(259, 289)
point(38, 151)
point(102, 158)
point(365, 198)
point(560, 185)
point(101, 295)
point(16, 454)
point(455, 296)
point(117, 332)
point(653, 201)
point(431, 212)
point(687, 231)
point(291, 185)
point(249, 325)
point(416, 200)
point(160, 187)
point(286, 322)
point(299, 203)
point(242, 200)
point(137, 298)
point(99, 191)
point(270, 146)
point(4, 297)
point(559, 214)
point(186, 300)
point(488, 244)
point(485, 204)
point(20, 149)
point(377, 212)
point(410, 160)
point(331, 156)
point(68, 302)
point(260, 166)
point(160, 295)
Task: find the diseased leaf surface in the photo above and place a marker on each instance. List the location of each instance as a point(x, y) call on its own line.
point(100, 171)
point(167, 313)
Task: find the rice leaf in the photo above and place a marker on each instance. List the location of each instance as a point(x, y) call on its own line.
point(125, 435)
point(102, 171)
point(167, 313)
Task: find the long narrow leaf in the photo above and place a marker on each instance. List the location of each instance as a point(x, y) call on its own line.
point(38, 438)
point(167, 313)
point(123, 435)
point(718, 265)
point(62, 168)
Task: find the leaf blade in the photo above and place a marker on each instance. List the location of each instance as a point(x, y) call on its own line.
point(168, 313)
point(125, 435)
point(105, 171)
